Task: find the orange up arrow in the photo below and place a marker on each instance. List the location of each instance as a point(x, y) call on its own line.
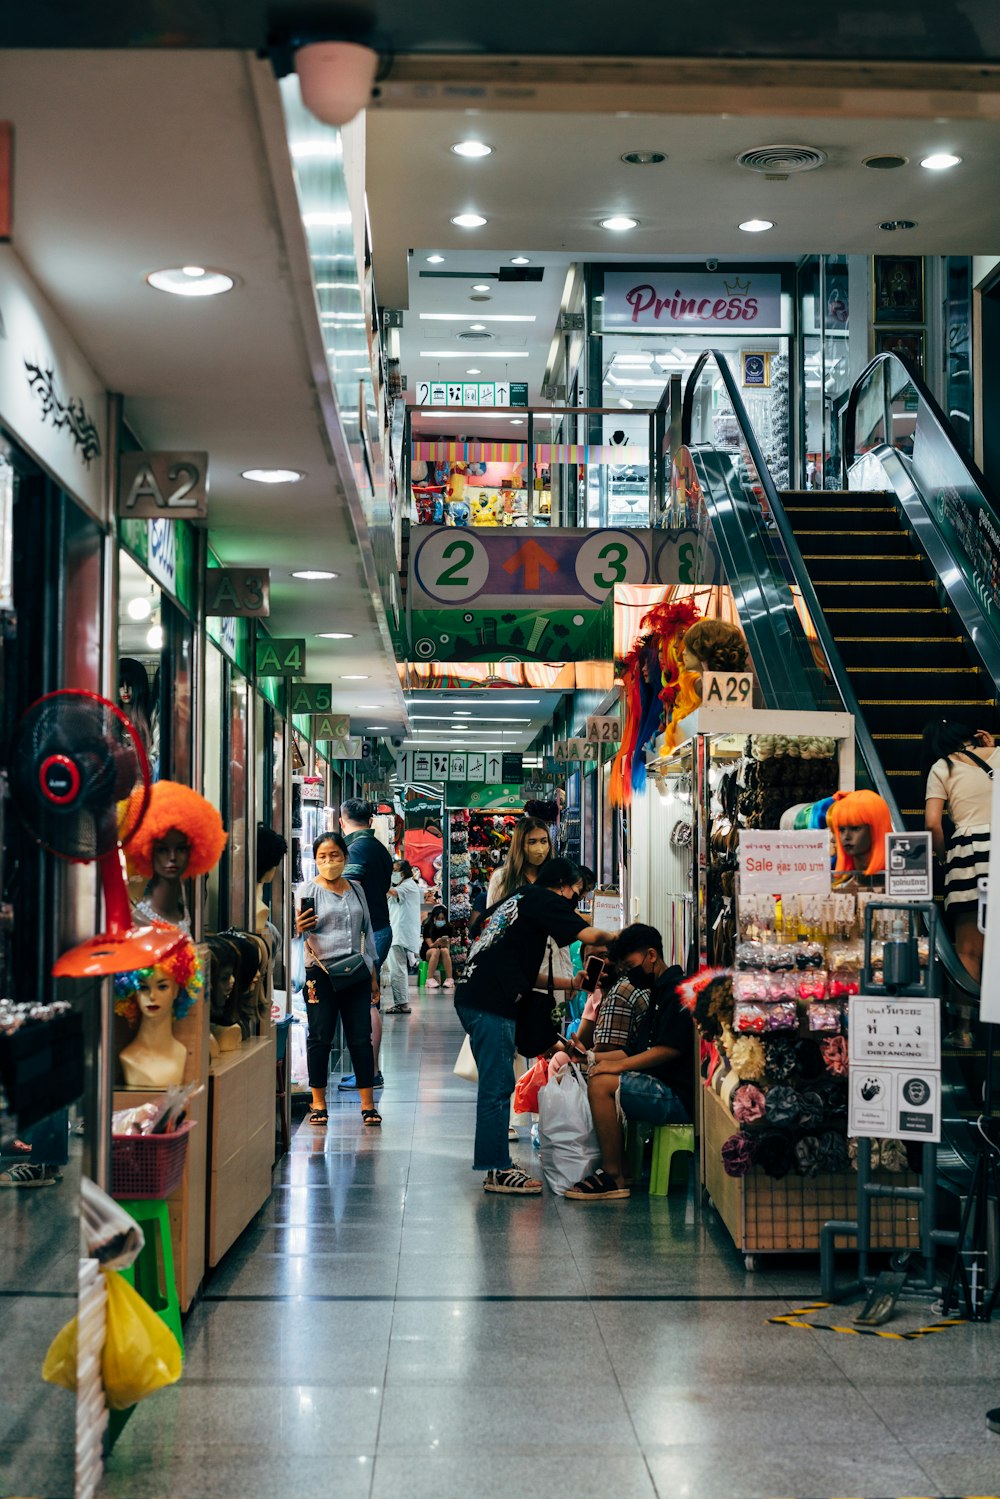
point(532, 557)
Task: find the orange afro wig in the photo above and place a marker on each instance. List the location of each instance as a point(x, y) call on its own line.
point(849, 810)
point(174, 806)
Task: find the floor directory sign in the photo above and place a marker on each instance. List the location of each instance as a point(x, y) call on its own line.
point(895, 1073)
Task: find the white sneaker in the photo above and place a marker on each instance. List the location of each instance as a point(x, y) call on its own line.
point(512, 1133)
point(26, 1175)
point(512, 1181)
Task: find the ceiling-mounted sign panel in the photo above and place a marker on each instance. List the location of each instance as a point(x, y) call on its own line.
point(238, 590)
point(281, 658)
point(331, 726)
point(310, 697)
point(729, 301)
point(488, 393)
point(172, 485)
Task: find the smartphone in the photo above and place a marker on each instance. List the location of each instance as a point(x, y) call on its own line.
point(307, 905)
point(593, 972)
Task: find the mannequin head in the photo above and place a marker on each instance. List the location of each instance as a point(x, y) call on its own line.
point(177, 810)
point(860, 821)
point(171, 855)
point(271, 849)
point(713, 645)
point(225, 966)
point(171, 987)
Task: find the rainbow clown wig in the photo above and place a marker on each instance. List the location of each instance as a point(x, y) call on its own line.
point(181, 964)
point(850, 809)
point(173, 806)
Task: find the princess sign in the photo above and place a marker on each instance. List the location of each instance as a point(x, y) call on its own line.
point(664, 299)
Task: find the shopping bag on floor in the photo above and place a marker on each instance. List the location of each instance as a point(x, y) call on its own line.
point(465, 1067)
point(528, 1084)
point(566, 1134)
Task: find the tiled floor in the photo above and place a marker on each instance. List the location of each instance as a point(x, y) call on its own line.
point(386, 1330)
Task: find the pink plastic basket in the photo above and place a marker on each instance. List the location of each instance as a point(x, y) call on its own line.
point(148, 1165)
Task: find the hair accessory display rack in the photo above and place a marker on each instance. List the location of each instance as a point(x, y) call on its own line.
point(908, 983)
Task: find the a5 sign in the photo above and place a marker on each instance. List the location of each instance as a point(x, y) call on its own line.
point(310, 697)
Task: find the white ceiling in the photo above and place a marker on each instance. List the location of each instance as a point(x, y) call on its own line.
point(131, 161)
point(491, 718)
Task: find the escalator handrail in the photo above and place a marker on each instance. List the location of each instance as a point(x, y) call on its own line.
point(864, 743)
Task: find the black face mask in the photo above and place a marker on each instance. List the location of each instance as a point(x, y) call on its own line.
point(638, 977)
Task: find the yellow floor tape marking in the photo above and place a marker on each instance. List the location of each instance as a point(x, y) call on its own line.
point(794, 1319)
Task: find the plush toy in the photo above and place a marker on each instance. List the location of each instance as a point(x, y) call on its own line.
point(459, 513)
point(430, 504)
point(484, 512)
point(456, 505)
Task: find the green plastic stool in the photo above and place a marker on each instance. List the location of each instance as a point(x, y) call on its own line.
point(159, 1292)
point(668, 1140)
point(422, 973)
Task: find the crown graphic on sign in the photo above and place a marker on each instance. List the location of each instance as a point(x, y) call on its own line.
point(733, 287)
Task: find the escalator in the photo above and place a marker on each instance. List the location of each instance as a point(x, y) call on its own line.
point(881, 600)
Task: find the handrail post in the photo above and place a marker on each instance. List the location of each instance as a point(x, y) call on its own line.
point(653, 464)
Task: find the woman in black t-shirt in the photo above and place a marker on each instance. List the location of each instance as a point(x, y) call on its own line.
point(503, 966)
point(435, 947)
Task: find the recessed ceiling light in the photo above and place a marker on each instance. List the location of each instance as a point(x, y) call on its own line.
point(311, 575)
point(468, 220)
point(619, 222)
point(139, 608)
point(483, 354)
point(371, 707)
point(482, 286)
point(473, 372)
point(478, 327)
point(520, 260)
point(940, 161)
point(472, 149)
point(273, 475)
point(435, 259)
point(353, 677)
point(373, 728)
point(643, 158)
point(462, 713)
point(154, 638)
point(756, 226)
point(489, 317)
point(192, 281)
point(334, 635)
point(883, 163)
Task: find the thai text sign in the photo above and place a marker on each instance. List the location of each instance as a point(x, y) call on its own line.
point(785, 863)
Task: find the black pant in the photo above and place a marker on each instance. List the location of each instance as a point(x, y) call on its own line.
point(353, 1005)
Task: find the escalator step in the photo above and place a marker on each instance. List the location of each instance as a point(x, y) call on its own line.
point(837, 522)
point(832, 543)
point(931, 622)
point(864, 567)
point(887, 715)
point(861, 598)
point(926, 683)
point(857, 650)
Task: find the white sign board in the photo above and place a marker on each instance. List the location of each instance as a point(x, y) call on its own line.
point(989, 994)
point(420, 765)
point(895, 1074)
point(727, 689)
point(476, 768)
point(606, 729)
point(342, 749)
point(908, 866)
point(439, 765)
point(457, 766)
point(784, 863)
point(607, 910)
point(639, 301)
point(898, 1103)
point(897, 1032)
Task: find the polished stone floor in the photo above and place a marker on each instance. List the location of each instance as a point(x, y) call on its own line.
point(386, 1330)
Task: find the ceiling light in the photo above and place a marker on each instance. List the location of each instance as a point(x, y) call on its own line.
point(371, 707)
point(643, 158)
point(472, 149)
point(520, 260)
point(484, 354)
point(334, 635)
point(883, 163)
point(273, 475)
point(619, 222)
point(313, 576)
point(435, 259)
point(373, 728)
point(192, 281)
point(154, 638)
point(499, 697)
point(517, 421)
point(490, 317)
point(140, 608)
point(756, 226)
point(482, 286)
point(473, 372)
point(468, 220)
point(940, 161)
point(353, 677)
point(462, 713)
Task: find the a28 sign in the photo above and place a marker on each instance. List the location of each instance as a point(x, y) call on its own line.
point(605, 728)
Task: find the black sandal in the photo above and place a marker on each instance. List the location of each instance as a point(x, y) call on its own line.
point(319, 1117)
point(600, 1187)
point(371, 1118)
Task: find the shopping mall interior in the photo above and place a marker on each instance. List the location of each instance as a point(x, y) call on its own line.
point(577, 459)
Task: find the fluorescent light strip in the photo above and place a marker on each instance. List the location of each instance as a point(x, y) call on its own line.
point(472, 702)
point(483, 717)
point(464, 354)
point(482, 317)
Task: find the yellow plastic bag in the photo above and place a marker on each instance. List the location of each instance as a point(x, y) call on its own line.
point(141, 1354)
point(60, 1361)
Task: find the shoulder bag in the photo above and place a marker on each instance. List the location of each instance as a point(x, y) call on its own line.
point(534, 1030)
point(344, 973)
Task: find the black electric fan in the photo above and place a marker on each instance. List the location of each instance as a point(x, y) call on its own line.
point(81, 784)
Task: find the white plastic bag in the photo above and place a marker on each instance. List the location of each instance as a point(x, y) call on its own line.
point(465, 1064)
point(566, 1134)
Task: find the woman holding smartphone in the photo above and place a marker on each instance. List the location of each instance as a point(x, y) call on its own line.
point(333, 918)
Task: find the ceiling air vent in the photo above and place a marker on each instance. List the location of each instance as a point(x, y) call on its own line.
point(781, 160)
point(472, 337)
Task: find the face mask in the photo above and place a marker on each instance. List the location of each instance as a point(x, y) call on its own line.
point(439, 921)
point(638, 977)
point(397, 879)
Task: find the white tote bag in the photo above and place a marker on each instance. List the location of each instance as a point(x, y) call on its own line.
point(566, 1134)
point(465, 1067)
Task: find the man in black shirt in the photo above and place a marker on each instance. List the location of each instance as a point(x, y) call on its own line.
point(369, 862)
point(654, 1081)
point(503, 965)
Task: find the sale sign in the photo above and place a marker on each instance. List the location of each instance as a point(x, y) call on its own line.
point(784, 863)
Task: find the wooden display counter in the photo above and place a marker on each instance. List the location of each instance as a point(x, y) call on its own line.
point(786, 1216)
point(241, 1140)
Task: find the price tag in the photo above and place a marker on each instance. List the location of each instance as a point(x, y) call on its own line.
point(727, 689)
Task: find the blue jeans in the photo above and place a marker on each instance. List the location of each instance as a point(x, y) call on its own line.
point(492, 1039)
point(645, 1098)
point(383, 941)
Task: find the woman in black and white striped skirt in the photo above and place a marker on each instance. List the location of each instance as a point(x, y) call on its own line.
point(959, 762)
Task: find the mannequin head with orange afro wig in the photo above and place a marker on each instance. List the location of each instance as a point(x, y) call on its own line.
point(860, 821)
point(174, 808)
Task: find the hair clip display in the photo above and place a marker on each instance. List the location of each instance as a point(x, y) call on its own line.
point(813, 987)
point(750, 1019)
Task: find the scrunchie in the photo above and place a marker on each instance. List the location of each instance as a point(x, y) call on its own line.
point(833, 1091)
point(782, 1107)
point(808, 1058)
point(748, 1104)
point(832, 1152)
point(774, 1154)
point(835, 1055)
point(812, 1110)
point(738, 1155)
point(808, 1157)
point(747, 1057)
point(779, 1059)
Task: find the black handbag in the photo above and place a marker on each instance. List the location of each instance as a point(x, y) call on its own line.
point(534, 1029)
point(344, 973)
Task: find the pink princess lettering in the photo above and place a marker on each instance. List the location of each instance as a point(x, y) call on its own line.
point(719, 309)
